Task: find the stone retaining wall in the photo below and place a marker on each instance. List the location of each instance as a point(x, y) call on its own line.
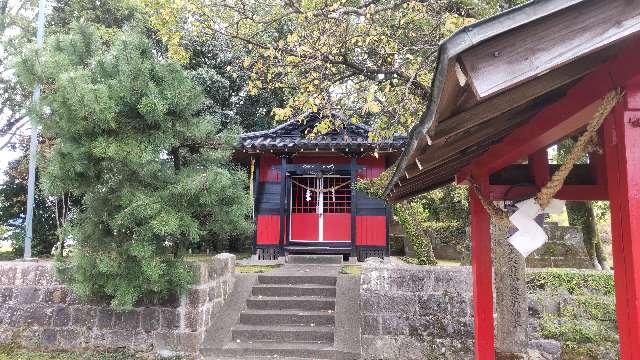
point(414, 312)
point(564, 249)
point(421, 312)
point(36, 311)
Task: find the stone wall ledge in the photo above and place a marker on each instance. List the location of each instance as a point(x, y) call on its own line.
point(37, 311)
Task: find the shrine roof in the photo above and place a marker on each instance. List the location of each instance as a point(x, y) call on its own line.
point(495, 75)
point(294, 136)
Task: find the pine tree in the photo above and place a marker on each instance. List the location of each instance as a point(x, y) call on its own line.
point(153, 172)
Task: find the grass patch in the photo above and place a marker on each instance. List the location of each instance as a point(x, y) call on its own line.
point(351, 270)
point(409, 260)
point(255, 269)
point(414, 261)
point(448, 263)
point(243, 255)
point(585, 321)
point(6, 253)
point(205, 257)
point(575, 282)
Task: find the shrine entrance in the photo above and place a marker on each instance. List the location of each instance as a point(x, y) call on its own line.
point(320, 208)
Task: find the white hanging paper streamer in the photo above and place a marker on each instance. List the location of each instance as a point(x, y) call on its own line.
point(530, 236)
point(308, 197)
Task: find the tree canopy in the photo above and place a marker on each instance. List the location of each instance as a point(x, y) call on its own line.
point(130, 136)
point(372, 60)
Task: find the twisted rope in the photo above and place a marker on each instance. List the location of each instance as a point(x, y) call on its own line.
point(321, 190)
point(587, 139)
point(587, 142)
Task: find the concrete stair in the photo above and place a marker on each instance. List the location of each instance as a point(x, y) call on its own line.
point(298, 290)
point(273, 350)
point(288, 314)
point(315, 259)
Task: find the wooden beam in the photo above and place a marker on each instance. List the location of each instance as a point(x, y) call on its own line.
point(548, 126)
point(558, 120)
point(519, 174)
point(567, 192)
point(461, 141)
point(450, 136)
point(539, 167)
point(538, 47)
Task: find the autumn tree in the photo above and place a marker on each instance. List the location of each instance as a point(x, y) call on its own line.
point(372, 60)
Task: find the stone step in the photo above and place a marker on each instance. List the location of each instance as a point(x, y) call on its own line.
point(291, 303)
point(314, 259)
point(287, 317)
point(272, 349)
point(253, 333)
point(288, 279)
point(294, 290)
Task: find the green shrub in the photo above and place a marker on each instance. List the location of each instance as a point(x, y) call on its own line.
point(575, 282)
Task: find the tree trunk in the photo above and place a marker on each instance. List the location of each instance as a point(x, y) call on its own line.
point(511, 301)
point(581, 214)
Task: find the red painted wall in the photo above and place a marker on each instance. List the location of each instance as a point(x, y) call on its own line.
point(373, 167)
point(267, 229)
point(304, 227)
point(371, 230)
point(336, 227)
point(269, 168)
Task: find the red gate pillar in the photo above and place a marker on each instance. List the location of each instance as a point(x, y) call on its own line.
point(622, 153)
point(482, 275)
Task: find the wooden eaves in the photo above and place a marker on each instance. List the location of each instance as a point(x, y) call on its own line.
point(494, 75)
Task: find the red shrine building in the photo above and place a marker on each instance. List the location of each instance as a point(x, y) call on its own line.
point(303, 192)
point(508, 88)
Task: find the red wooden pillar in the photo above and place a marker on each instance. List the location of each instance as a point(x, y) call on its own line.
point(622, 154)
point(482, 275)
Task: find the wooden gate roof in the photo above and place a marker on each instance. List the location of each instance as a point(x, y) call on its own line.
point(494, 75)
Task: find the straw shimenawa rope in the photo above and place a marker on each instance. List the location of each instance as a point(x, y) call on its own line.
point(587, 141)
point(321, 190)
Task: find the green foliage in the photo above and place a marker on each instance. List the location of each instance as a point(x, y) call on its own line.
point(13, 203)
point(575, 282)
point(372, 60)
point(594, 307)
point(255, 269)
point(585, 320)
point(13, 352)
point(153, 172)
point(351, 270)
point(214, 64)
point(583, 214)
point(576, 331)
point(448, 204)
point(413, 218)
point(411, 215)
point(453, 232)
